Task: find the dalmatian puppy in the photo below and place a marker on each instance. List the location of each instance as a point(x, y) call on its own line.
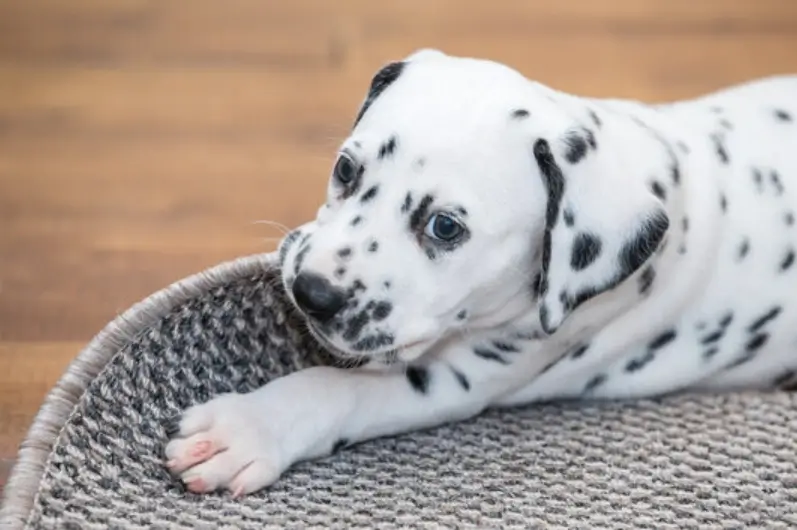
point(489, 241)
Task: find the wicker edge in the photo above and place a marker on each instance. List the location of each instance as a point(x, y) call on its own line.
point(23, 483)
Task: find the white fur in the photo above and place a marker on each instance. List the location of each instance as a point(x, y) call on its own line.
point(456, 140)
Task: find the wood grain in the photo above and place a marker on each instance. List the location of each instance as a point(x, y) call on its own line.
point(141, 140)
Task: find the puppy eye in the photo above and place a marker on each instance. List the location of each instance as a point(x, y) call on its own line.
point(443, 227)
point(345, 169)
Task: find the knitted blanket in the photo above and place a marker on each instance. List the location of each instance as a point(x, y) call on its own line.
point(93, 456)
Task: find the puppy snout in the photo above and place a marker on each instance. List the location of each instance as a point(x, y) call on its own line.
point(317, 297)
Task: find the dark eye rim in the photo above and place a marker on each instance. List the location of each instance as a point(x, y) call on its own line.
point(461, 234)
point(345, 158)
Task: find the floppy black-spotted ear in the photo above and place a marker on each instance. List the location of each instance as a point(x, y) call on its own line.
point(389, 73)
point(600, 225)
point(385, 77)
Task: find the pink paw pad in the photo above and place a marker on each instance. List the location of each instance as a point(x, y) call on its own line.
point(201, 449)
point(196, 485)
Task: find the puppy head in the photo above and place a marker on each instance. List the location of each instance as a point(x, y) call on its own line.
point(444, 211)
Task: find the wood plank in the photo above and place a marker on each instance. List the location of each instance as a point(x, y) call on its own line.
point(27, 373)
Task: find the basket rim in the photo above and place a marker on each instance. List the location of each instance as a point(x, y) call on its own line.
point(23, 483)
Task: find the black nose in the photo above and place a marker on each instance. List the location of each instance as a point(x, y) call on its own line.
point(317, 297)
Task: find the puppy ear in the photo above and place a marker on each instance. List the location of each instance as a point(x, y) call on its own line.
point(600, 225)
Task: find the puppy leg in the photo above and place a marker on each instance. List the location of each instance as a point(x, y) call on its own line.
point(244, 442)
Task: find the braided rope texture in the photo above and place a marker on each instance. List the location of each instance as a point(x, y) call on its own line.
point(721, 461)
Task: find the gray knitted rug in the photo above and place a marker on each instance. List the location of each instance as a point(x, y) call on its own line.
point(93, 456)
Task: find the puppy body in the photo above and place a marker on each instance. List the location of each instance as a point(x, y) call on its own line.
point(489, 241)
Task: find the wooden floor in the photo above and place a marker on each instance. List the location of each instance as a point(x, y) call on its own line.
point(140, 140)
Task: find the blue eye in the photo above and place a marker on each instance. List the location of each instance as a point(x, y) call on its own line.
point(345, 170)
point(443, 227)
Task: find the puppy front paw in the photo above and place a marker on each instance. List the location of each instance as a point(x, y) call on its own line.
point(224, 444)
point(244, 442)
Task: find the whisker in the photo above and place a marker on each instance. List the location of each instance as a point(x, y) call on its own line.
point(275, 224)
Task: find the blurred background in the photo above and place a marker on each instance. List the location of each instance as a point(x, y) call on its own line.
point(141, 140)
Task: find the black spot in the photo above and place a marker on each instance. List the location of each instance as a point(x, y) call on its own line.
point(675, 173)
point(555, 185)
point(569, 217)
point(357, 220)
point(758, 179)
point(489, 355)
point(682, 249)
point(382, 310)
point(713, 337)
point(370, 194)
point(373, 342)
point(357, 285)
point(373, 247)
point(788, 260)
point(586, 249)
point(407, 204)
point(505, 346)
point(387, 148)
point(783, 378)
point(340, 272)
point(757, 342)
point(726, 320)
point(744, 249)
point(418, 217)
point(340, 444)
point(788, 218)
point(544, 317)
point(634, 365)
point(355, 325)
point(591, 139)
point(658, 190)
point(685, 224)
point(719, 147)
point(782, 115)
point(682, 146)
point(387, 285)
point(775, 179)
point(548, 366)
point(723, 202)
point(536, 285)
point(595, 119)
point(710, 352)
point(576, 147)
point(638, 249)
point(461, 379)
point(418, 378)
point(725, 124)
point(567, 302)
point(595, 382)
point(380, 82)
point(462, 315)
point(761, 321)
point(345, 252)
point(579, 351)
point(663, 339)
point(646, 279)
point(520, 114)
